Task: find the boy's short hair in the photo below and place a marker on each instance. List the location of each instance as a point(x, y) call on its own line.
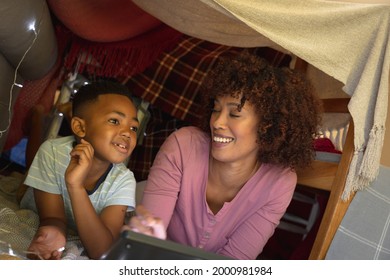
point(91, 91)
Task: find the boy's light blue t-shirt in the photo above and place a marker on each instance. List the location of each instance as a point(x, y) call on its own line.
point(47, 173)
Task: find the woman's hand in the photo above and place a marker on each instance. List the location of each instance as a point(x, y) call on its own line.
point(48, 243)
point(144, 222)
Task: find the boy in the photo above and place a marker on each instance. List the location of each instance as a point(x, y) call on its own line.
point(80, 182)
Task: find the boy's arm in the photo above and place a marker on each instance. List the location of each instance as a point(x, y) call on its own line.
point(97, 233)
point(51, 234)
point(51, 209)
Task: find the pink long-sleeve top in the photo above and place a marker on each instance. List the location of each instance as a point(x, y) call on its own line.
point(176, 192)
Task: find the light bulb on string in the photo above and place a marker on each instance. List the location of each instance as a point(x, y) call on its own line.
point(30, 27)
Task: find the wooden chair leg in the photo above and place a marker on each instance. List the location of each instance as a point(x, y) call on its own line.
point(336, 207)
point(332, 218)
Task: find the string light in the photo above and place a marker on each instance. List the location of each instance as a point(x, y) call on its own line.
point(31, 27)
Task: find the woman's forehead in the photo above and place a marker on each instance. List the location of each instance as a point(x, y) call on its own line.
point(234, 102)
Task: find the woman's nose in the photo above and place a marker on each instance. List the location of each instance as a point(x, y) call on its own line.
point(219, 121)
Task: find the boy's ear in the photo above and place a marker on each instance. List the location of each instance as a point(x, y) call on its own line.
point(78, 126)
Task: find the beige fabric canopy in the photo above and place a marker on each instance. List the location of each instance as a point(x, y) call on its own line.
point(348, 40)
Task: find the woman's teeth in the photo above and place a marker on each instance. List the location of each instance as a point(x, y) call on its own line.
point(222, 139)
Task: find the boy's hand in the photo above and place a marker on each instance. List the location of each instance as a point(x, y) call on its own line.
point(48, 243)
point(79, 165)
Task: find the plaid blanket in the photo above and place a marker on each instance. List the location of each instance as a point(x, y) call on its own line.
point(364, 232)
point(158, 129)
point(174, 79)
point(171, 85)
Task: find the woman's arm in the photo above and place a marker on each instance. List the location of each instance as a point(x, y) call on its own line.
point(164, 181)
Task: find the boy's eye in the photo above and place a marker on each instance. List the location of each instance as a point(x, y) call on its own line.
point(134, 128)
point(113, 121)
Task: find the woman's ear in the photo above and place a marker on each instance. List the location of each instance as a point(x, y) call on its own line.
point(78, 126)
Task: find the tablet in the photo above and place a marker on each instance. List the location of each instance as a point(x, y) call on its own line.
point(137, 246)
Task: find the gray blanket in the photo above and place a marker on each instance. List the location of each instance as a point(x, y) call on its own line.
point(364, 233)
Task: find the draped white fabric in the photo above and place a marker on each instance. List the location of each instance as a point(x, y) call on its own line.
point(348, 40)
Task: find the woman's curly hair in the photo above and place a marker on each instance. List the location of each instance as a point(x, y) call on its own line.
point(288, 109)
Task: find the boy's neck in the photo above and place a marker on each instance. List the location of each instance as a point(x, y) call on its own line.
point(96, 177)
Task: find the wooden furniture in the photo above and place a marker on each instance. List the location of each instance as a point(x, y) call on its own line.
point(330, 177)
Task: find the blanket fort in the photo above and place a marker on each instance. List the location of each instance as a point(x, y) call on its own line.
point(347, 40)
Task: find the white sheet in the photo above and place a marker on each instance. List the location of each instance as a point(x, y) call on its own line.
point(348, 40)
point(335, 127)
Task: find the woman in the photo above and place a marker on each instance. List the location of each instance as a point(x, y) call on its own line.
point(225, 188)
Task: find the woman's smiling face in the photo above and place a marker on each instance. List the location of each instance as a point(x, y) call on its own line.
point(233, 131)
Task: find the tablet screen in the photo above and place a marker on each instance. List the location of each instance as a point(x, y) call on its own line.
point(136, 246)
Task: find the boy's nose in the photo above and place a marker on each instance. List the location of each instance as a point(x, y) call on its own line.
point(126, 132)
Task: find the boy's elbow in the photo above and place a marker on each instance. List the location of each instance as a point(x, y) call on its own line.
point(96, 255)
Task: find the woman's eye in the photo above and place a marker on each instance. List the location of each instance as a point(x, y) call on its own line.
point(234, 115)
point(113, 121)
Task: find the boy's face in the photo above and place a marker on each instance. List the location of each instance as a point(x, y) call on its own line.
point(111, 126)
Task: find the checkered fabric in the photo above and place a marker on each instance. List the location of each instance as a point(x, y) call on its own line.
point(364, 233)
point(174, 79)
point(171, 85)
point(158, 129)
